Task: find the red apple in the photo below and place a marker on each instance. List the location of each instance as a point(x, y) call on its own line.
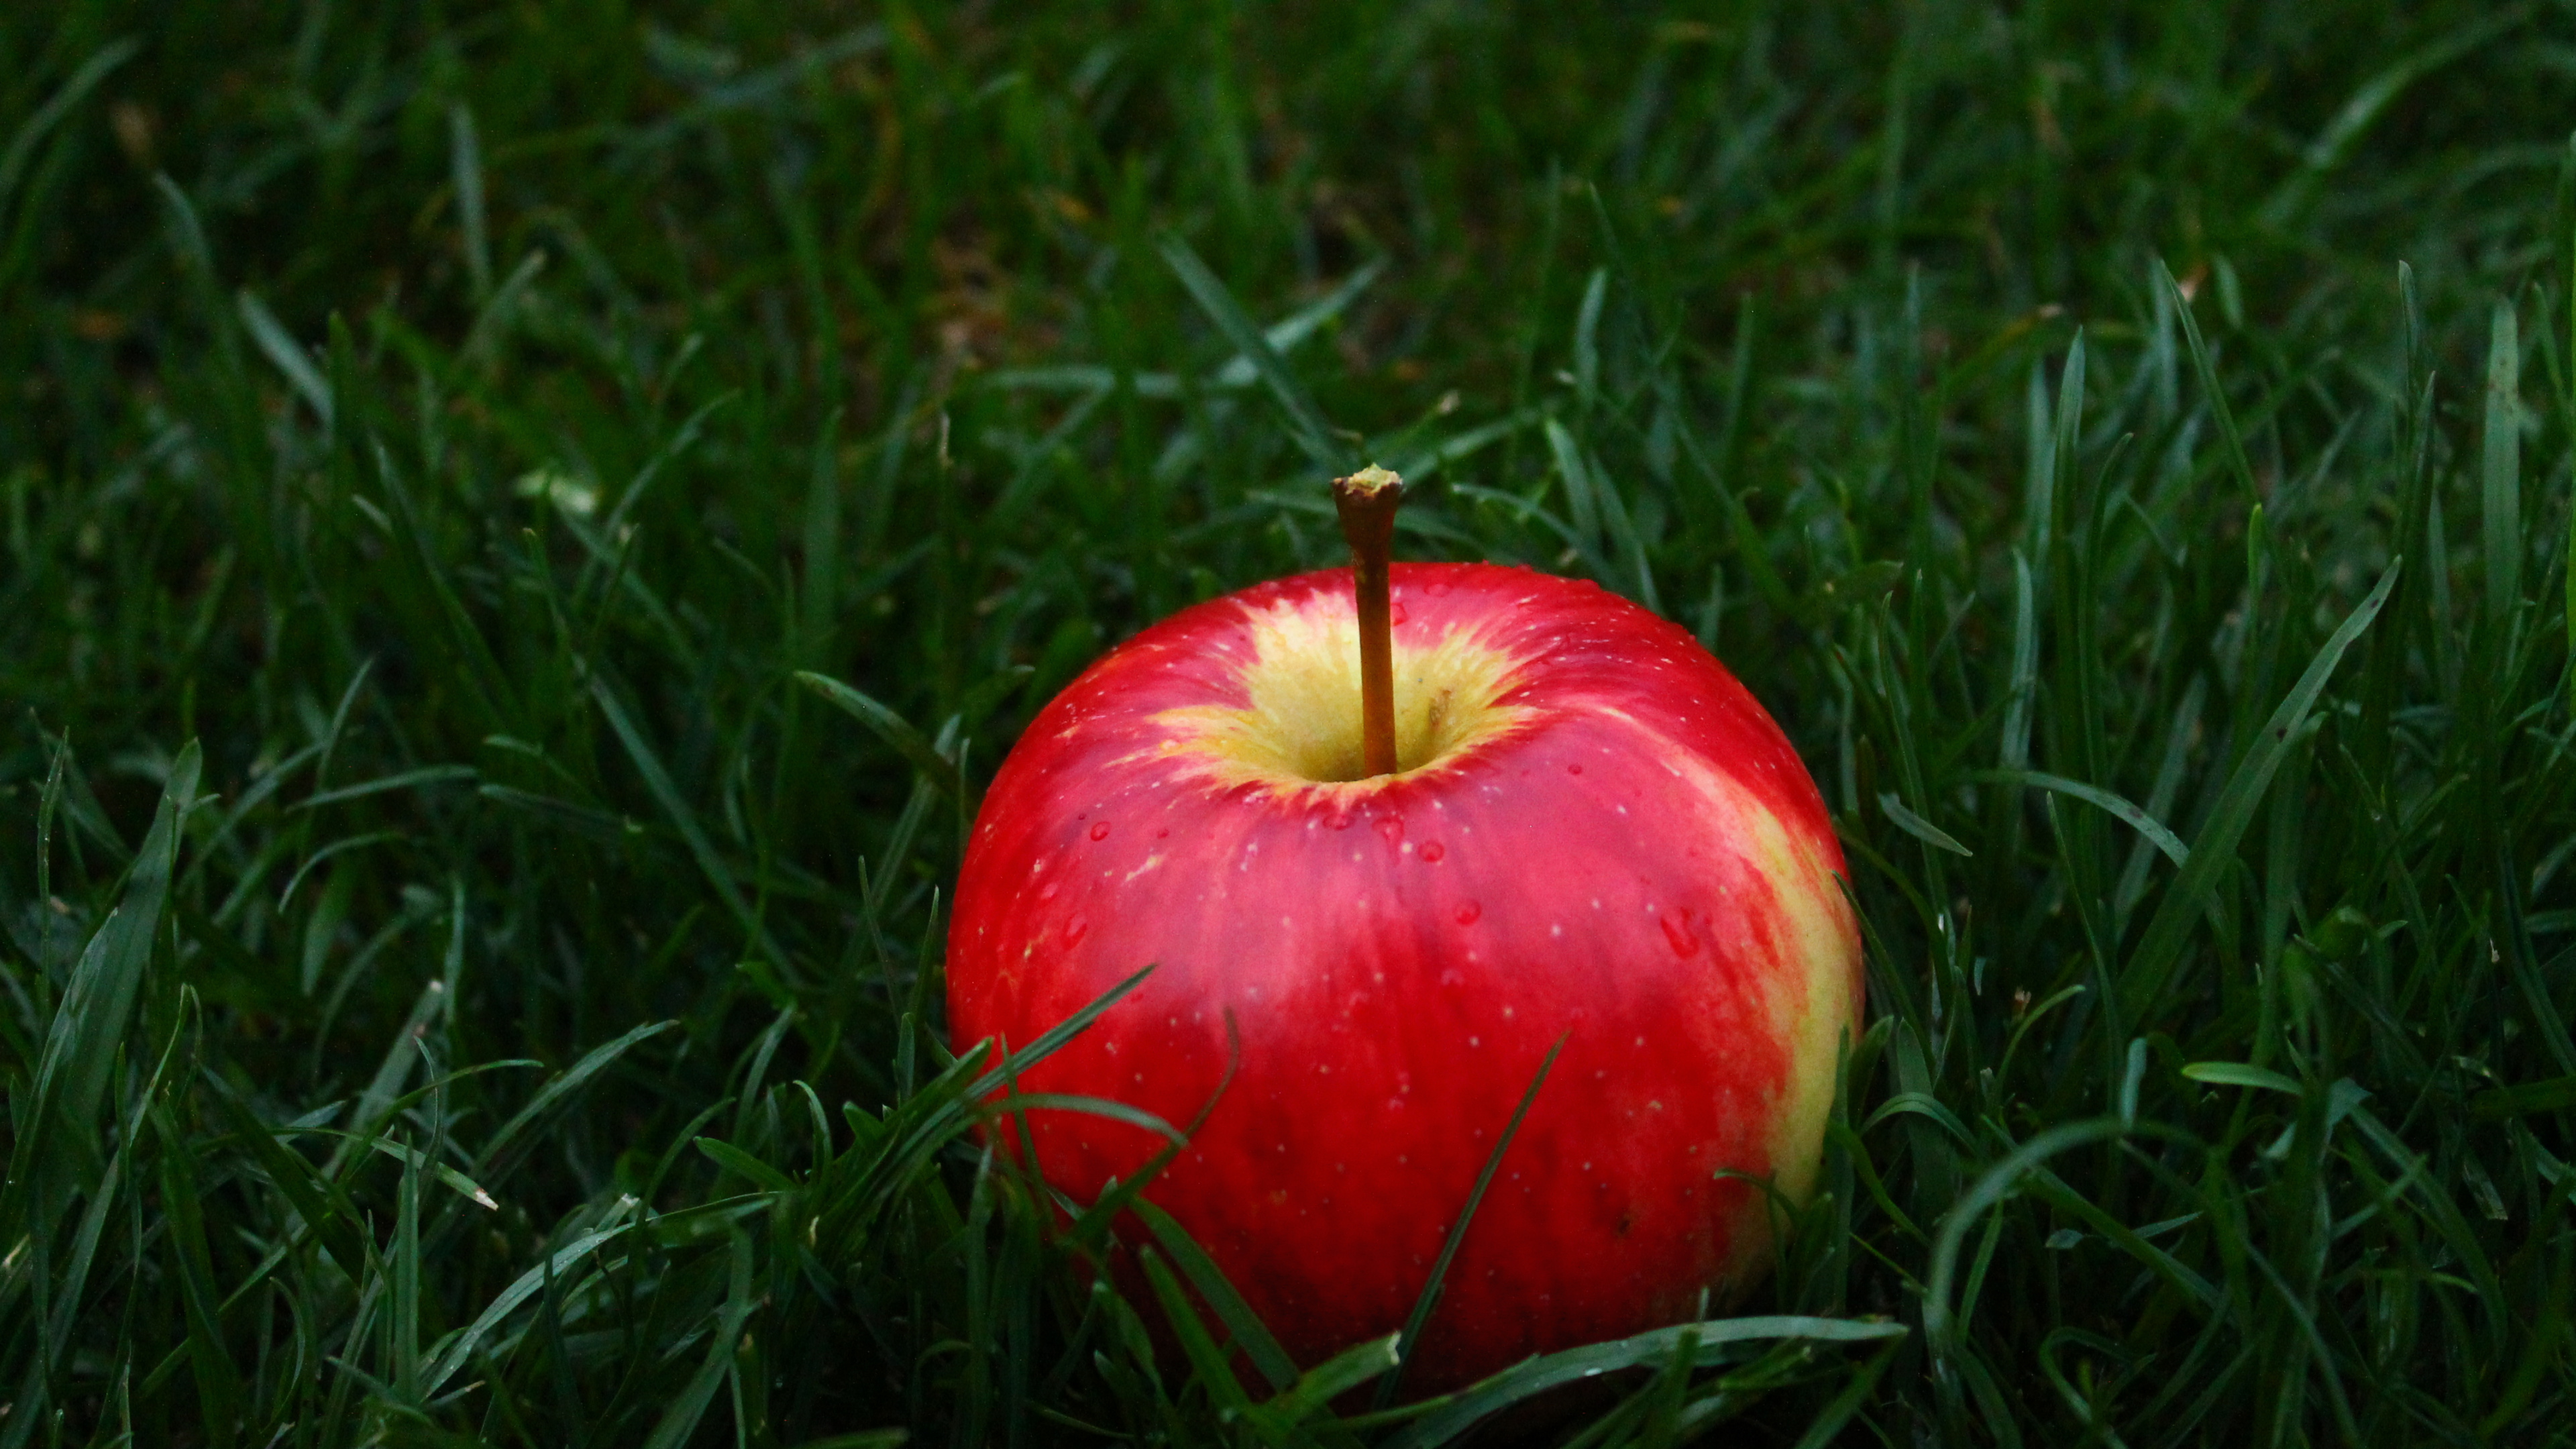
point(1594, 833)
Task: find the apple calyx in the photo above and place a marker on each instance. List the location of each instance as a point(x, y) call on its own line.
point(1294, 730)
point(1367, 501)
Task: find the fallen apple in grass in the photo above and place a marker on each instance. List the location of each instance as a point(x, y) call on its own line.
point(1559, 819)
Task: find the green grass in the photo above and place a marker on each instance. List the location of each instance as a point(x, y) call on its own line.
point(462, 988)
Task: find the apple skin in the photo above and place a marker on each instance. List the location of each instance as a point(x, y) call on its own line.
point(1614, 845)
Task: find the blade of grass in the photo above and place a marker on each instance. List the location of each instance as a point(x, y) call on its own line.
point(1250, 1334)
point(1052, 1040)
point(2151, 966)
point(1432, 1286)
point(280, 347)
point(376, 1103)
point(1940, 1325)
point(1306, 425)
point(1206, 1359)
point(1315, 1391)
point(219, 1383)
point(322, 1208)
point(41, 122)
point(680, 1420)
point(2207, 371)
point(1829, 1421)
point(892, 728)
point(452, 1354)
point(2370, 101)
point(1918, 827)
point(404, 780)
point(497, 1157)
point(90, 1021)
point(2500, 468)
point(2147, 826)
point(683, 819)
point(1646, 1350)
point(465, 169)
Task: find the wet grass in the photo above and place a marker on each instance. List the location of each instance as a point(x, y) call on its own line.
point(462, 987)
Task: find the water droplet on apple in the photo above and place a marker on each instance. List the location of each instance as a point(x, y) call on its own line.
point(1163, 833)
point(1100, 830)
point(1437, 589)
point(1047, 892)
point(1677, 930)
point(1075, 929)
point(1468, 913)
point(1574, 769)
point(1395, 613)
point(1391, 827)
point(1341, 819)
point(1433, 850)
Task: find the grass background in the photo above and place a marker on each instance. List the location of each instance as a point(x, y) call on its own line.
point(461, 988)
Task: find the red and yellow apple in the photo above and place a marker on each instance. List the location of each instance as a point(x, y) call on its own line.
point(1592, 832)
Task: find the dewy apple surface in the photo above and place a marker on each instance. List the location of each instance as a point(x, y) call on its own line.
point(1593, 833)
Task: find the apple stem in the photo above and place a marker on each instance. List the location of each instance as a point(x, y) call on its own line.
point(1367, 501)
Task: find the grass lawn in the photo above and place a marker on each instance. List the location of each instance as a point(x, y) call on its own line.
point(462, 988)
